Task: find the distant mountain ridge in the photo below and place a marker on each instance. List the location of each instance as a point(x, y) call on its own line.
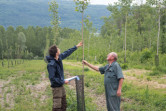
point(35, 13)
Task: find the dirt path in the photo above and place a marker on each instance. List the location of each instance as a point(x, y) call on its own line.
point(142, 82)
point(36, 90)
point(77, 64)
point(7, 98)
point(99, 100)
point(39, 89)
point(152, 84)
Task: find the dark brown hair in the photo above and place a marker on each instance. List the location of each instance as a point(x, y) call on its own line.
point(53, 50)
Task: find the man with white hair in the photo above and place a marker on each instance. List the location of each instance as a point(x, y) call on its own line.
point(113, 80)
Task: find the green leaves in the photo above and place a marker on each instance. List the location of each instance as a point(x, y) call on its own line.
point(53, 8)
point(81, 5)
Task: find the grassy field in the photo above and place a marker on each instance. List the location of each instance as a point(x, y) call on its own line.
point(25, 87)
point(141, 92)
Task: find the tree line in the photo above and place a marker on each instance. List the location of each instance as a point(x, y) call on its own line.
point(27, 43)
point(135, 27)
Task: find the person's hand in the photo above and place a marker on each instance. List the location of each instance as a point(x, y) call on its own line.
point(79, 44)
point(118, 92)
point(84, 62)
point(66, 81)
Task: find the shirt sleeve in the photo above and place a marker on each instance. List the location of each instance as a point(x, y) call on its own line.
point(67, 53)
point(102, 69)
point(119, 72)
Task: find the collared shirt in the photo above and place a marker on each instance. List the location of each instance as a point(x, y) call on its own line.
point(111, 73)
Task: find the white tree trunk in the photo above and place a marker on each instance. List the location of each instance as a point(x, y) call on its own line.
point(132, 45)
point(125, 38)
point(89, 44)
point(150, 43)
point(158, 31)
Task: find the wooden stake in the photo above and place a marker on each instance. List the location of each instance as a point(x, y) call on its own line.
point(83, 39)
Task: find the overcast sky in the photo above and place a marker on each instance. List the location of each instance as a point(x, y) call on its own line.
point(106, 2)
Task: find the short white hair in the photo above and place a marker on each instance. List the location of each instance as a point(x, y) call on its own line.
point(114, 54)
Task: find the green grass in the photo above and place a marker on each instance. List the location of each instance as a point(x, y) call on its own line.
point(28, 67)
point(72, 102)
point(143, 97)
point(19, 77)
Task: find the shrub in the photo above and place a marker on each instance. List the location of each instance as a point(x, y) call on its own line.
point(102, 58)
point(126, 87)
point(87, 84)
point(154, 73)
point(95, 62)
point(146, 54)
point(162, 59)
point(161, 69)
point(158, 70)
point(124, 66)
point(149, 78)
point(86, 69)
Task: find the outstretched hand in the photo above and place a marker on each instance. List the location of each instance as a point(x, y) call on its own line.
point(84, 62)
point(79, 44)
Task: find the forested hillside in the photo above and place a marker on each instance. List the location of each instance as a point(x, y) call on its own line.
point(35, 13)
